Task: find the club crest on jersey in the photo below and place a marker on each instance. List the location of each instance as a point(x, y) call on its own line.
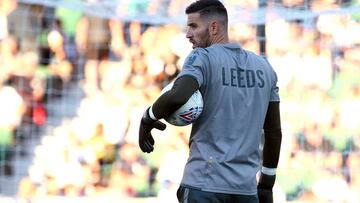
point(190, 115)
point(191, 60)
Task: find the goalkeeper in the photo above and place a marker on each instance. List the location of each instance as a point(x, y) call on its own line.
point(240, 101)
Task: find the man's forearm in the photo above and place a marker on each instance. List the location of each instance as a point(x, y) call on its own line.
point(170, 101)
point(273, 136)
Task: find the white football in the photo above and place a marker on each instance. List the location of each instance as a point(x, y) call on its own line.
point(188, 112)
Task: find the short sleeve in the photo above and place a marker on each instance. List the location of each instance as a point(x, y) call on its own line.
point(274, 96)
point(194, 65)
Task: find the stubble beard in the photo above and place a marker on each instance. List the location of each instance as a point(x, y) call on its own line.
point(206, 42)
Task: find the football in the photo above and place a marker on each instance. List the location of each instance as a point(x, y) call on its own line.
point(188, 112)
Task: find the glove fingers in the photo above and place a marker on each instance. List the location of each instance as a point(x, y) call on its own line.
point(149, 149)
point(149, 143)
point(151, 140)
point(146, 146)
point(159, 125)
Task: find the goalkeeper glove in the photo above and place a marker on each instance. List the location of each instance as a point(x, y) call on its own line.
point(264, 188)
point(146, 141)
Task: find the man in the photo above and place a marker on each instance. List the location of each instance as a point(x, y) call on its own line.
point(240, 100)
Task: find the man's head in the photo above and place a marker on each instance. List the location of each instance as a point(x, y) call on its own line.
point(207, 23)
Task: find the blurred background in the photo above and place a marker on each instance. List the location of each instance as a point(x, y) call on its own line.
point(76, 76)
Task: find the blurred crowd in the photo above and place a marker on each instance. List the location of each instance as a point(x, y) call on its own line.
point(122, 66)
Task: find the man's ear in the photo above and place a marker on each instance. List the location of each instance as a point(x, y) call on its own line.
point(214, 27)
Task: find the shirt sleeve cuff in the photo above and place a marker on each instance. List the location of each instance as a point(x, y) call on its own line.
point(151, 114)
point(268, 171)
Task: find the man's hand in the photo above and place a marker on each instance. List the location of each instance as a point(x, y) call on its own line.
point(146, 141)
point(264, 188)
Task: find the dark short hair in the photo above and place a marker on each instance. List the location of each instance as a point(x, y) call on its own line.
point(208, 8)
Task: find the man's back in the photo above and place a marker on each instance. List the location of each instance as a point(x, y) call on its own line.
point(237, 86)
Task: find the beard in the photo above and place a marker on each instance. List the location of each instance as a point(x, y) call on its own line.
point(204, 39)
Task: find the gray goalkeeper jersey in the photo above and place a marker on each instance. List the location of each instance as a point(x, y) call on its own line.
point(236, 86)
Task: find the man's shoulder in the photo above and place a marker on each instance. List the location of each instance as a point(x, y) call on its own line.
point(254, 55)
point(200, 50)
point(196, 56)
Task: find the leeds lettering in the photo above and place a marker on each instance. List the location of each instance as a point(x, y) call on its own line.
point(238, 77)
